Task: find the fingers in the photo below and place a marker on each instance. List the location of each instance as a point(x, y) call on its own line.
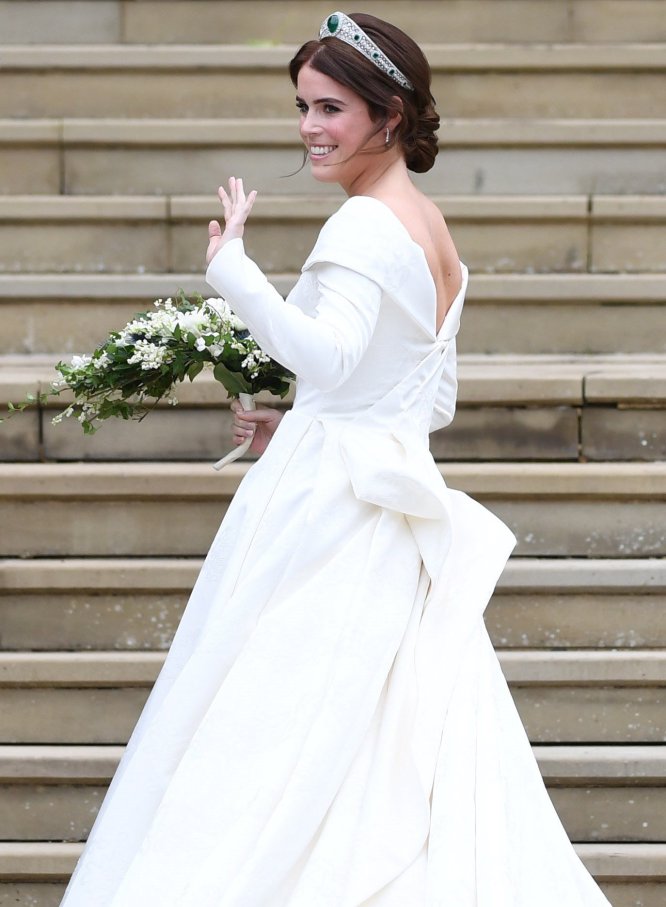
point(234, 201)
point(256, 415)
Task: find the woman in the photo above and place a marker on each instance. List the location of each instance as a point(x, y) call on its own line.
point(331, 726)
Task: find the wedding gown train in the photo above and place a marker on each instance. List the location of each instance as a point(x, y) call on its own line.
point(331, 727)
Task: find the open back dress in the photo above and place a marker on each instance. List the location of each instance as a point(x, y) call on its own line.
point(331, 726)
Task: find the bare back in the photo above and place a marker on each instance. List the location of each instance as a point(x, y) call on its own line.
point(424, 222)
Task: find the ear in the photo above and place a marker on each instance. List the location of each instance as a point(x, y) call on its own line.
point(396, 117)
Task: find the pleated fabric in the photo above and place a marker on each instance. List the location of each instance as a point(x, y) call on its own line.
point(331, 727)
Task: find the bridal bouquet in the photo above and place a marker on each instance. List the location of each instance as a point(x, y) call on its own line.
point(133, 369)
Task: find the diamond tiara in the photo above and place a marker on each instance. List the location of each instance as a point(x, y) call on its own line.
point(339, 25)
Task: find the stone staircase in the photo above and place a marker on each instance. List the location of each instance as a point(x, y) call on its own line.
point(118, 119)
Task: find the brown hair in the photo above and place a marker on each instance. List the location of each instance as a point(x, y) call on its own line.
point(415, 132)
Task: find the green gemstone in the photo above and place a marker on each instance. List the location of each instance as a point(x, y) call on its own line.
point(375, 56)
point(391, 72)
point(332, 23)
point(357, 37)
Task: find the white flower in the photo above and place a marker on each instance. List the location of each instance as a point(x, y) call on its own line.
point(148, 355)
point(195, 322)
point(200, 344)
point(236, 323)
point(65, 414)
point(103, 361)
point(80, 361)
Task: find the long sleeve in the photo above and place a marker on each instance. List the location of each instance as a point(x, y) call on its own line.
point(324, 349)
point(447, 391)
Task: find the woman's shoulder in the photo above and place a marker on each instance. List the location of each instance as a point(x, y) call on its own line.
point(361, 234)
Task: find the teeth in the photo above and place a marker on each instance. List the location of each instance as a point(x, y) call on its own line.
point(321, 149)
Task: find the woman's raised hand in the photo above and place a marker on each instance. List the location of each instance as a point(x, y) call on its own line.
point(260, 422)
point(237, 208)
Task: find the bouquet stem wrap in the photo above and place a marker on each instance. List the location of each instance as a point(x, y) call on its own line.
point(248, 404)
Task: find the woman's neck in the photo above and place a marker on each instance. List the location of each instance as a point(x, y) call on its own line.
point(387, 177)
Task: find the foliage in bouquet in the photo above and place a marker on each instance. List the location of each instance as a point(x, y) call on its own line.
point(133, 369)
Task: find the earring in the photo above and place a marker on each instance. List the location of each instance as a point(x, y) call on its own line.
point(388, 136)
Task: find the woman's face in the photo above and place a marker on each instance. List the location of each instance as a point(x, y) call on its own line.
point(335, 124)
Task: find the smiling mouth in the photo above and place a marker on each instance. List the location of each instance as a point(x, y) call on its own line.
point(318, 151)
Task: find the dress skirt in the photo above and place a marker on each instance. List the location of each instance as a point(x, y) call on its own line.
point(331, 725)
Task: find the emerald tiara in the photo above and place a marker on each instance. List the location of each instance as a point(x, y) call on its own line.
point(339, 25)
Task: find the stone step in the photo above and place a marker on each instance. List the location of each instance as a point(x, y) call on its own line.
point(200, 21)
point(631, 875)
point(601, 793)
point(493, 233)
point(509, 408)
point(477, 79)
point(136, 603)
point(129, 509)
point(504, 313)
point(189, 156)
point(586, 696)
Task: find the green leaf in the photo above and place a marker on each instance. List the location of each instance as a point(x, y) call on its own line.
point(194, 370)
point(233, 382)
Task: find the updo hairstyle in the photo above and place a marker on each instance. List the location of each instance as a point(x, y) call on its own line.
point(415, 132)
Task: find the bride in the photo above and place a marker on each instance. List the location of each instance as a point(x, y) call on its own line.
point(331, 727)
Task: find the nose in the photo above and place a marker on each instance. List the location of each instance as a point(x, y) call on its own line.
point(309, 127)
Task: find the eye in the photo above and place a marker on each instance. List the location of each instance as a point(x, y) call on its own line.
point(302, 106)
point(331, 108)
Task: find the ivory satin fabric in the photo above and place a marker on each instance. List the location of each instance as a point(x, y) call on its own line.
point(331, 727)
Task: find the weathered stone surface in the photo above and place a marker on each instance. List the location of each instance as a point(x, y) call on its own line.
point(628, 247)
point(80, 620)
point(585, 619)
point(39, 894)
point(66, 811)
point(595, 714)
point(623, 434)
point(179, 434)
point(187, 170)
point(591, 510)
point(236, 22)
point(619, 813)
point(551, 714)
point(63, 715)
point(471, 20)
point(47, 812)
point(53, 528)
point(60, 21)
point(527, 245)
point(585, 528)
point(556, 94)
point(77, 246)
point(19, 436)
point(585, 327)
point(645, 893)
point(490, 170)
point(182, 90)
point(176, 93)
point(25, 169)
point(62, 326)
point(617, 20)
point(509, 434)
point(504, 313)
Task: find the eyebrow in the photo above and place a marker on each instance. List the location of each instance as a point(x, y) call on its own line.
point(325, 101)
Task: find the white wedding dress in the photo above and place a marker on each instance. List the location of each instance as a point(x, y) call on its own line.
point(331, 727)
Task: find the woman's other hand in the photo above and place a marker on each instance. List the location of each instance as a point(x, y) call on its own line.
point(236, 211)
point(260, 422)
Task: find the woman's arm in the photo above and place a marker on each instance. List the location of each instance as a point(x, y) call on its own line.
point(324, 349)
